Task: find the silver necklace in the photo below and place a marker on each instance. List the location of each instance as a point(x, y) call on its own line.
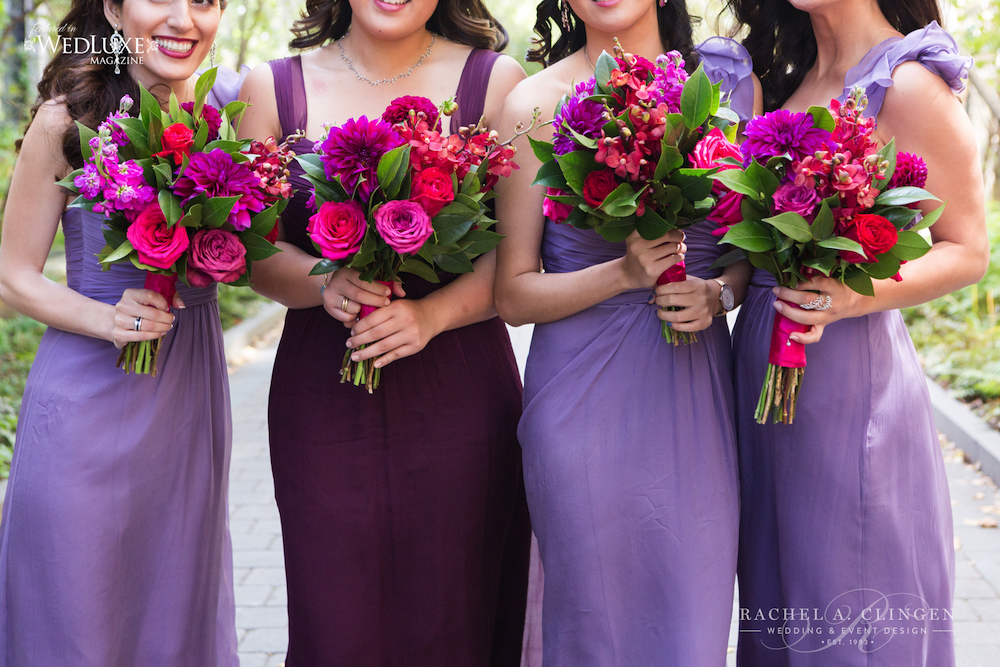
point(362, 77)
point(587, 57)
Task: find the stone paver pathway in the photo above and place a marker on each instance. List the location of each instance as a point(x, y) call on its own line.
point(259, 574)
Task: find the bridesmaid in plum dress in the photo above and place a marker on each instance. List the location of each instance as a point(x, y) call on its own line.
point(403, 515)
point(629, 442)
point(846, 530)
point(115, 544)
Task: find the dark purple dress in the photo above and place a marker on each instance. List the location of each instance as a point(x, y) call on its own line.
point(405, 527)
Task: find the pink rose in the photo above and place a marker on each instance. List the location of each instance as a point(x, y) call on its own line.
point(157, 243)
point(403, 225)
point(800, 199)
point(338, 228)
point(714, 147)
point(726, 213)
point(556, 210)
point(215, 255)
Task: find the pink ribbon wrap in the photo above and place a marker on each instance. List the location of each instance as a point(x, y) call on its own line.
point(784, 351)
point(368, 310)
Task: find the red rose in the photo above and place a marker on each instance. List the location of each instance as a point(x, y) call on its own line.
point(177, 141)
point(215, 255)
point(432, 189)
point(597, 186)
point(272, 236)
point(875, 234)
point(157, 244)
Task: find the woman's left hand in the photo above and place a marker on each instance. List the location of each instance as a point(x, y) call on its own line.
point(844, 302)
point(697, 298)
point(392, 332)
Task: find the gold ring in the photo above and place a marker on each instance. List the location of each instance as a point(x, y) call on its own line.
point(344, 304)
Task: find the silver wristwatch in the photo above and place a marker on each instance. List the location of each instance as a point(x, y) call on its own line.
point(726, 297)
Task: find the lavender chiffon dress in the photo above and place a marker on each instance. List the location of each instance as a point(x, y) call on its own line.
point(630, 461)
point(846, 547)
point(115, 548)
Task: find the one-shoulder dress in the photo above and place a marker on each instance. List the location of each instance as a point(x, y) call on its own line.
point(630, 460)
point(405, 528)
point(115, 546)
point(846, 547)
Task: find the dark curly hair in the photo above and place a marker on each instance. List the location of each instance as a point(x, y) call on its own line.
point(464, 21)
point(782, 44)
point(90, 90)
point(676, 32)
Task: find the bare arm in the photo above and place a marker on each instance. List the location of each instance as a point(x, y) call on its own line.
point(31, 218)
point(923, 115)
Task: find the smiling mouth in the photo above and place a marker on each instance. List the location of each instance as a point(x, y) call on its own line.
point(174, 45)
point(396, 2)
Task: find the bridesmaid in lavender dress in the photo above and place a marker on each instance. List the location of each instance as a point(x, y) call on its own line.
point(115, 546)
point(846, 553)
point(405, 527)
point(629, 442)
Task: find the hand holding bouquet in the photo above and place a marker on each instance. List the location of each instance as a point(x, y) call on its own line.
point(393, 195)
point(182, 197)
point(817, 196)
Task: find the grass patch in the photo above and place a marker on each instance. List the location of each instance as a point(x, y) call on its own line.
point(958, 338)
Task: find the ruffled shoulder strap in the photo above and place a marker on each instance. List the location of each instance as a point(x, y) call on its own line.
point(931, 46)
point(728, 61)
point(227, 85)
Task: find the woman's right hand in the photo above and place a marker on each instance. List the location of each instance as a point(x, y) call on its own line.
point(645, 261)
point(347, 282)
point(147, 304)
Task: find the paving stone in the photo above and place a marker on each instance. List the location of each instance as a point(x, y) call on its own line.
point(265, 640)
point(261, 617)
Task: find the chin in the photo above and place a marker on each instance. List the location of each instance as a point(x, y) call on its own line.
point(814, 5)
point(394, 19)
point(611, 16)
point(168, 69)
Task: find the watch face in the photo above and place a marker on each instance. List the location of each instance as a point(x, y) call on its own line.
point(728, 300)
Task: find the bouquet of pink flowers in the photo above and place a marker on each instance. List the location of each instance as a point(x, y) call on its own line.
point(817, 196)
point(393, 195)
point(182, 197)
point(634, 148)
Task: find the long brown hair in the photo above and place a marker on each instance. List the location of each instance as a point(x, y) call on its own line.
point(90, 90)
point(467, 22)
point(783, 46)
point(672, 18)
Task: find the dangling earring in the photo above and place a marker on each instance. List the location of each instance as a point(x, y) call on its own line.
point(212, 56)
point(564, 6)
point(663, 3)
point(117, 45)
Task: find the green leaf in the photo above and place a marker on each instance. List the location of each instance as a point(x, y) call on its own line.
point(121, 252)
point(886, 267)
point(738, 181)
point(217, 209)
point(470, 184)
point(615, 233)
point(791, 225)
point(586, 142)
point(602, 71)
point(696, 99)
point(716, 98)
point(175, 108)
point(164, 172)
point(325, 266)
point(903, 196)
point(899, 216)
point(910, 245)
point(193, 216)
point(149, 106)
point(822, 227)
point(670, 159)
point(729, 258)
point(929, 219)
point(263, 222)
point(482, 241)
point(889, 154)
point(761, 179)
point(200, 137)
point(202, 88)
point(824, 264)
point(257, 246)
point(418, 268)
point(551, 176)
point(693, 188)
point(543, 149)
point(621, 202)
point(750, 236)
point(136, 131)
point(842, 243)
point(227, 146)
point(652, 225)
point(392, 168)
point(171, 207)
point(456, 263)
point(822, 118)
point(68, 184)
point(575, 166)
point(86, 134)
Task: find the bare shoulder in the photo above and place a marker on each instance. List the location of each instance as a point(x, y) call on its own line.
point(506, 74)
point(542, 90)
point(259, 82)
point(261, 117)
point(917, 100)
point(46, 132)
